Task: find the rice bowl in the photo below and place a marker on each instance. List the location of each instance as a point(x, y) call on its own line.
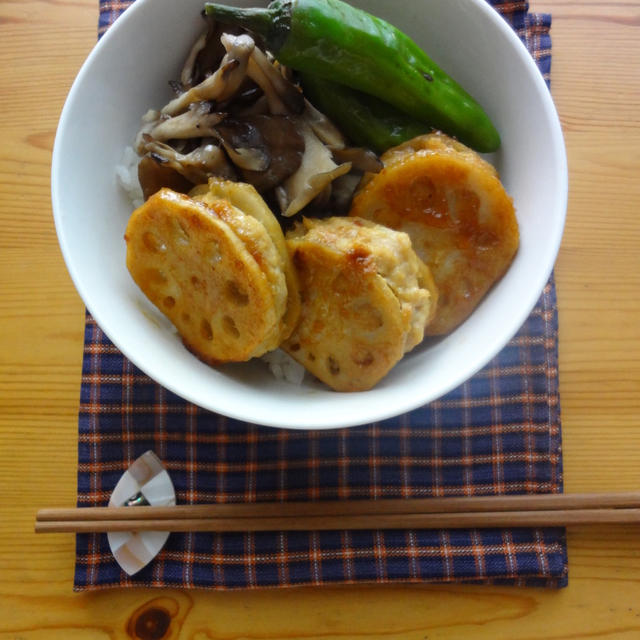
point(103, 111)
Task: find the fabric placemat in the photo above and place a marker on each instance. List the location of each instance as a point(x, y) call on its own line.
point(498, 433)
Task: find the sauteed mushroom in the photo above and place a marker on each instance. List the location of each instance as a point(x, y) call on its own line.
point(278, 138)
point(239, 114)
point(316, 171)
point(197, 165)
point(363, 160)
point(223, 83)
point(244, 144)
point(282, 96)
point(154, 173)
point(187, 75)
point(326, 131)
point(196, 122)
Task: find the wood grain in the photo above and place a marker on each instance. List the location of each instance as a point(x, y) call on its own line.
point(596, 86)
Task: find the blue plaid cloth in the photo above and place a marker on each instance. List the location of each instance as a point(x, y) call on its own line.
point(498, 433)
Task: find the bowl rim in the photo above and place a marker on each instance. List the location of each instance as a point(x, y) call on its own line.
point(402, 403)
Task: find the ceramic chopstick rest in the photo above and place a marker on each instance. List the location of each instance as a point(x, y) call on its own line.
point(146, 481)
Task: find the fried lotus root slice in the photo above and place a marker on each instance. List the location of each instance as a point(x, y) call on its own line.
point(436, 142)
point(362, 305)
point(261, 247)
point(460, 219)
point(245, 197)
point(199, 273)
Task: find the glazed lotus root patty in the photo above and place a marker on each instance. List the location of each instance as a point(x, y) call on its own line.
point(225, 300)
point(364, 300)
point(244, 196)
point(460, 219)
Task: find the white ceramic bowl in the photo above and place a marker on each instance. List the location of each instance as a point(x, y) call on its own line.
point(127, 73)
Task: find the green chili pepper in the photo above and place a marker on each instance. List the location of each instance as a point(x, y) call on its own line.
point(369, 122)
point(346, 45)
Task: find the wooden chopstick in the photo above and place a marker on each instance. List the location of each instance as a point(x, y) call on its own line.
point(459, 512)
point(554, 518)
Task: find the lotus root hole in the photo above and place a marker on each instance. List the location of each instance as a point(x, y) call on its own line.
point(229, 325)
point(236, 295)
point(153, 243)
point(169, 302)
point(206, 330)
point(333, 366)
point(364, 360)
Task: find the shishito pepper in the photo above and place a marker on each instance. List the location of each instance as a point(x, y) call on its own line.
point(367, 120)
point(349, 46)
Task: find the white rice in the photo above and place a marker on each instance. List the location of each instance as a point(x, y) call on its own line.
point(127, 175)
point(282, 365)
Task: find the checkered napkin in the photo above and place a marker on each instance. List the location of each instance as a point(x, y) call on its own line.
point(499, 433)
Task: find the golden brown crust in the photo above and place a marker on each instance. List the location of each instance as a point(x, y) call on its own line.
point(245, 197)
point(435, 142)
point(260, 246)
point(191, 264)
point(362, 306)
point(460, 219)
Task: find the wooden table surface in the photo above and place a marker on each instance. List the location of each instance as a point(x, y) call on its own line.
point(596, 85)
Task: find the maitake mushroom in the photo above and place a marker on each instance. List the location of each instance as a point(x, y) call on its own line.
point(238, 115)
